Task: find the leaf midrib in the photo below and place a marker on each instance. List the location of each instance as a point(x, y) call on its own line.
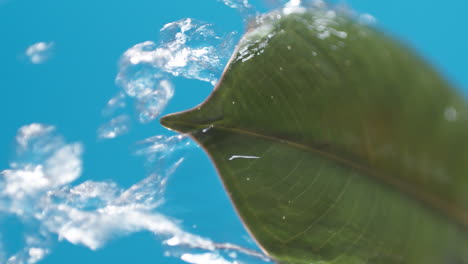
point(454, 213)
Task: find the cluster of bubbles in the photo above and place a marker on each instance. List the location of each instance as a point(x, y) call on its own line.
point(39, 52)
point(188, 49)
point(39, 189)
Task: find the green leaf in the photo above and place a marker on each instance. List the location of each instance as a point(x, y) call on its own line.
point(337, 144)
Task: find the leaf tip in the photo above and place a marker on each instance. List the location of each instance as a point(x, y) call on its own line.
point(176, 123)
point(168, 122)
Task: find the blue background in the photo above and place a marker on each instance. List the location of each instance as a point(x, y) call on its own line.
point(70, 90)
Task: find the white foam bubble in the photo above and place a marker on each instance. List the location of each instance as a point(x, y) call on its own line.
point(115, 127)
point(39, 52)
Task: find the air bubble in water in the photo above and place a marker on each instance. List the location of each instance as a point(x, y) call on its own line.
point(293, 6)
point(160, 147)
point(115, 103)
point(152, 104)
point(367, 19)
point(243, 6)
point(114, 128)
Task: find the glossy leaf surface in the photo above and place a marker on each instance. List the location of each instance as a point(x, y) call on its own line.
point(338, 146)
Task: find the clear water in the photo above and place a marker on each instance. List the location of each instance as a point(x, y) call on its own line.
point(43, 187)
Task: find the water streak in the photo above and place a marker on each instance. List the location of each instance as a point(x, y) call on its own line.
point(243, 157)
